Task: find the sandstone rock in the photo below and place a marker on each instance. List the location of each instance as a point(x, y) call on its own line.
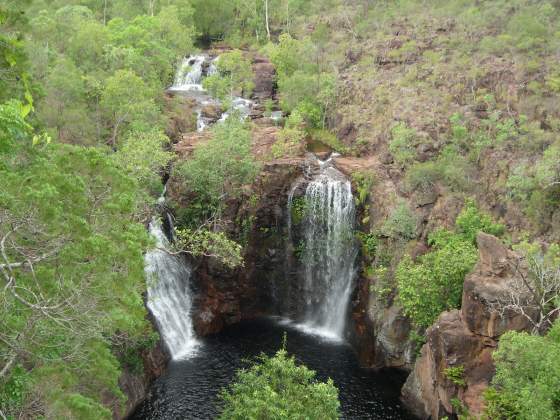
point(465, 338)
point(134, 385)
point(264, 79)
point(488, 282)
point(427, 391)
point(212, 112)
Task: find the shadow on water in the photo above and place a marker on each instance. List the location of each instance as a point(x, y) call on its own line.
point(189, 388)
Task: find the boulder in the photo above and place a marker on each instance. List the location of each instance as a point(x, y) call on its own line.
point(211, 112)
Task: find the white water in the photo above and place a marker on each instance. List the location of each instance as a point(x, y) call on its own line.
point(329, 254)
point(189, 81)
point(169, 296)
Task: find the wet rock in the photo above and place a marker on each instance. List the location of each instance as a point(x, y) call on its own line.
point(211, 112)
point(135, 385)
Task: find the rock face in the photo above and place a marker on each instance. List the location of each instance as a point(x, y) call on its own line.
point(465, 338)
point(134, 385)
point(224, 297)
point(264, 79)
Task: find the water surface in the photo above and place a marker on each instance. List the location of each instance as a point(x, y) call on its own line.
point(188, 390)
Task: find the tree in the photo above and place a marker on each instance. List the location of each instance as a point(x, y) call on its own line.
point(71, 274)
point(127, 103)
point(434, 283)
point(219, 168)
point(534, 291)
point(277, 388)
point(234, 74)
point(142, 156)
point(527, 380)
point(64, 108)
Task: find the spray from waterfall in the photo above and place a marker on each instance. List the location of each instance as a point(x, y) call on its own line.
point(169, 295)
point(329, 252)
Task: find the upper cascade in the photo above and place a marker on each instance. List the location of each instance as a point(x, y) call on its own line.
point(189, 82)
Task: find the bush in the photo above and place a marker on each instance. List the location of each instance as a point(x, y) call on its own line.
point(403, 144)
point(234, 73)
point(219, 168)
point(290, 138)
point(401, 223)
point(527, 380)
point(471, 221)
point(277, 388)
point(435, 282)
point(450, 168)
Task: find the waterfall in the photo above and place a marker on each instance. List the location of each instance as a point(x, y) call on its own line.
point(189, 74)
point(169, 296)
point(329, 252)
point(188, 82)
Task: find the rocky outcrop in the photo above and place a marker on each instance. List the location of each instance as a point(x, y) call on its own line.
point(264, 79)
point(465, 339)
point(223, 296)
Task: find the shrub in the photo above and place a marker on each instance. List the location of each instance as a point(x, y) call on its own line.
point(435, 282)
point(527, 380)
point(455, 374)
point(401, 223)
point(471, 221)
point(219, 168)
point(403, 144)
point(363, 182)
point(290, 138)
point(277, 388)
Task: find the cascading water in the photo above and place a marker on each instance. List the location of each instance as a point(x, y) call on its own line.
point(189, 74)
point(329, 252)
point(188, 81)
point(169, 296)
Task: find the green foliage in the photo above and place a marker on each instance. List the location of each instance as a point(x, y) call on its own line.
point(450, 168)
point(142, 156)
point(435, 282)
point(471, 221)
point(71, 220)
point(127, 101)
point(298, 210)
point(370, 242)
point(219, 168)
point(234, 74)
point(290, 138)
point(527, 380)
point(363, 181)
point(277, 388)
point(13, 390)
point(403, 144)
point(205, 243)
point(401, 223)
point(455, 374)
point(536, 186)
point(304, 82)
